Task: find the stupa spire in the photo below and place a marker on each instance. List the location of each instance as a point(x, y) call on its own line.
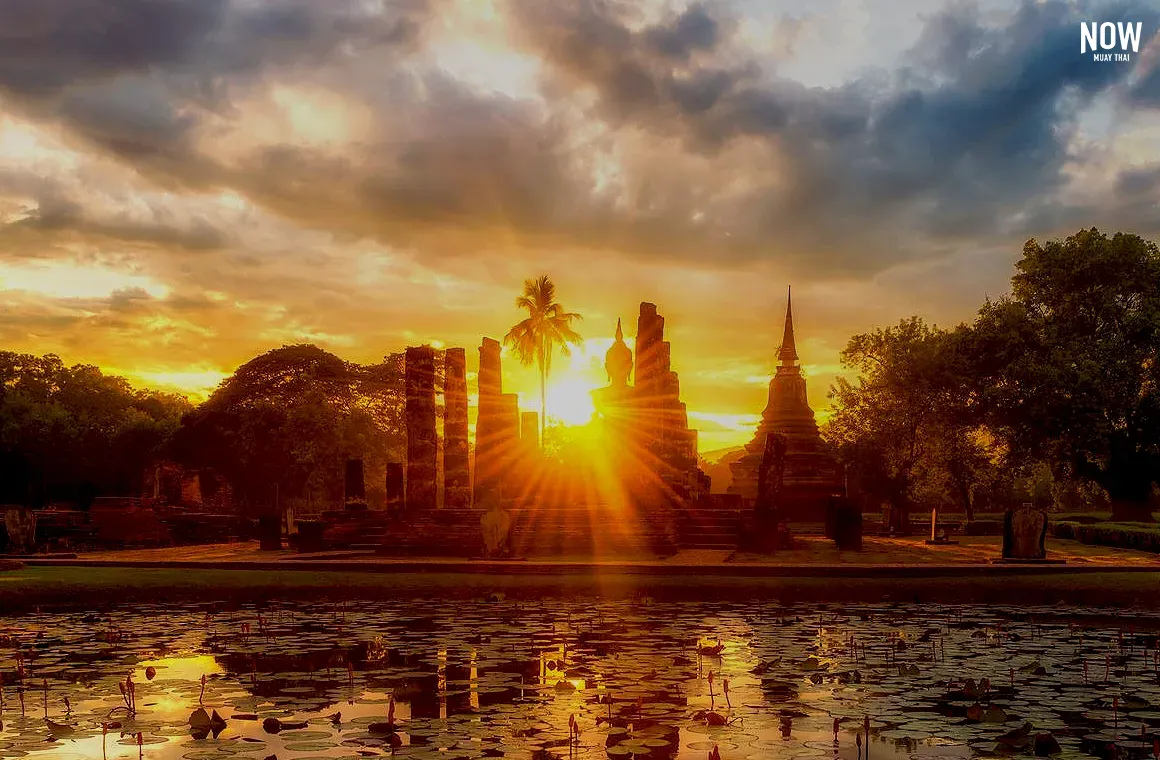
point(787, 354)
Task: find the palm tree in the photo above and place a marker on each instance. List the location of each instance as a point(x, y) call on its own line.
point(535, 339)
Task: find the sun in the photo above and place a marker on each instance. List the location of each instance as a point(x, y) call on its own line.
point(570, 400)
point(570, 383)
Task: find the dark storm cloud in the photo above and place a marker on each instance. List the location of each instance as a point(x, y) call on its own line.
point(967, 139)
point(128, 299)
point(56, 215)
point(974, 127)
point(138, 77)
point(50, 45)
point(1146, 91)
point(1139, 181)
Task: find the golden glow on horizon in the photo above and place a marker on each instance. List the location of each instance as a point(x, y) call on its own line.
point(24, 141)
point(60, 279)
point(195, 384)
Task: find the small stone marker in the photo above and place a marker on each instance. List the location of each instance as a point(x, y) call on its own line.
point(21, 525)
point(495, 525)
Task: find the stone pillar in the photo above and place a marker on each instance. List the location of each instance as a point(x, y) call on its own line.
point(422, 437)
point(456, 469)
point(508, 446)
point(20, 522)
point(191, 490)
point(490, 377)
point(354, 486)
point(652, 370)
point(661, 424)
point(530, 430)
point(650, 328)
point(395, 480)
point(487, 429)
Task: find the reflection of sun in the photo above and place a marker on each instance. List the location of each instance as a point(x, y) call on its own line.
point(189, 667)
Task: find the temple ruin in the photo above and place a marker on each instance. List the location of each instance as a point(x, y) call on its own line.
point(810, 474)
point(422, 437)
point(624, 495)
point(647, 422)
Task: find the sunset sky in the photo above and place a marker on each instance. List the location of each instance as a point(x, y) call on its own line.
point(187, 183)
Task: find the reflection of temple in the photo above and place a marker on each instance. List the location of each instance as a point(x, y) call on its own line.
point(811, 473)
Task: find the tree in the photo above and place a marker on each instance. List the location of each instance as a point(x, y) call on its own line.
point(547, 327)
point(1067, 365)
point(905, 428)
point(68, 433)
point(291, 417)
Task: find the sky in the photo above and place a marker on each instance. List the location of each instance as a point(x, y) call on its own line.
point(187, 183)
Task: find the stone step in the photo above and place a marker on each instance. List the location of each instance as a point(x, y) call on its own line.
point(710, 521)
point(709, 511)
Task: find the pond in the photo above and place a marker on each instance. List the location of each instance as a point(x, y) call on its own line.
point(493, 677)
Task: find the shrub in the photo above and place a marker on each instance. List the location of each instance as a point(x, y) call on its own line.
point(1084, 519)
point(984, 528)
point(1118, 535)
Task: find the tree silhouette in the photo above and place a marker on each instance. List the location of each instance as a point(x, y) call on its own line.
point(547, 327)
point(68, 433)
point(1068, 365)
point(292, 416)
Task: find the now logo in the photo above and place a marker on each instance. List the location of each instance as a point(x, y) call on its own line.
point(1094, 36)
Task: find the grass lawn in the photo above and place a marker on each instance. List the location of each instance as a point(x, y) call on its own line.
point(100, 587)
point(913, 550)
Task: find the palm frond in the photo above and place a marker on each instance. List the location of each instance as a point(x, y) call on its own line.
point(534, 339)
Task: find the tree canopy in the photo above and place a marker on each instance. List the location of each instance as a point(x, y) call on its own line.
point(1067, 364)
point(1059, 379)
point(70, 433)
point(281, 427)
point(905, 426)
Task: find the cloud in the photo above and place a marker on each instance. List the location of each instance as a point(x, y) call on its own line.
point(298, 170)
point(55, 217)
point(973, 127)
point(141, 78)
point(659, 138)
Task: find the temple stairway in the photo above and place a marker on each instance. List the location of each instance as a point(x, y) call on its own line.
point(703, 525)
point(439, 532)
point(590, 530)
point(541, 531)
point(536, 531)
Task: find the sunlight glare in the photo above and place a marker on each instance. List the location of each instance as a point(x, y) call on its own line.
point(570, 400)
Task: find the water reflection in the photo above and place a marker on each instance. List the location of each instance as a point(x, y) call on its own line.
point(605, 679)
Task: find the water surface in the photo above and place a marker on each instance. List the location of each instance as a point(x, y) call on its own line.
point(493, 677)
